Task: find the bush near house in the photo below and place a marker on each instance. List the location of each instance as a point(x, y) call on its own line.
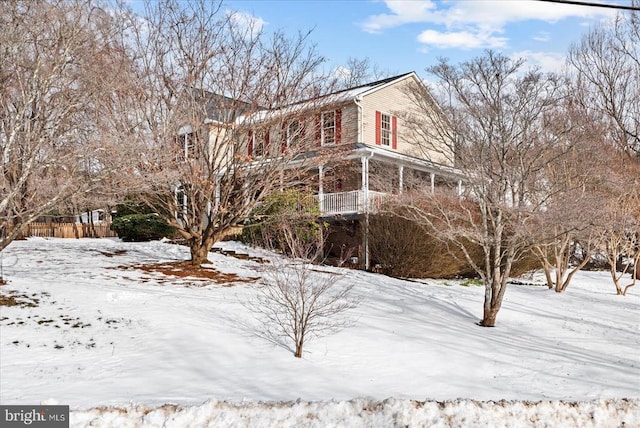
point(403, 248)
point(292, 207)
point(141, 227)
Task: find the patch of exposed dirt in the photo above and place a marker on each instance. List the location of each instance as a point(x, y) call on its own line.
point(184, 269)
point(13, 298)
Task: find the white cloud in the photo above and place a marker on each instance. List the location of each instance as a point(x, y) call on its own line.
point(547, 61)
point(247, 23)
point(472, 24)
point(542, 36)
point(461, 39)
point(402, 12)
point(481, 13)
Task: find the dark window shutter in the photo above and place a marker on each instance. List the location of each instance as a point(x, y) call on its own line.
point(338, 119)
point(378, 126)
point(250, 143)
point(394, 132)
point(283, 136)
point(266, 142)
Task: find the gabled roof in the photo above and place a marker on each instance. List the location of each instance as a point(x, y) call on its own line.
point(370, 87)
point(341, 96)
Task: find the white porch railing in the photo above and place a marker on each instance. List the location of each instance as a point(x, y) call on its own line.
point(349, 202)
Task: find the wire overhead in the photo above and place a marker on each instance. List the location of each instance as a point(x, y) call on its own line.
point(590, 4)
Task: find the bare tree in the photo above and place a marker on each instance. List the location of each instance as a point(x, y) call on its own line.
point(562, 233)
point(618, 235)
point(209, 152)
point(298, 301)
point(497, 125)
point(358, 71)
point(59, 65)
point(606, 62)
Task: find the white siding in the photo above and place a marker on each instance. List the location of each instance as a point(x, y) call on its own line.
point(393, 101)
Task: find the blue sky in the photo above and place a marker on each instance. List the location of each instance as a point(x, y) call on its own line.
point(399, 36)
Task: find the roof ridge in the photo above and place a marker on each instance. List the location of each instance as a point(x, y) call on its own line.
point(374, 83)
point(364, 85)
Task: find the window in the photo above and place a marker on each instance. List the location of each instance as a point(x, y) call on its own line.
point(181, 201)
point(386, 130)
point(294, 133)
point(261, 139)
point(328, 127)
point(258, 143)
point(186, 146)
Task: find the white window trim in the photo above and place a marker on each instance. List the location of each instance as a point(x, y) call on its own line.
point(388, 132)
point(187, 149)
point(259, 142)
point(322, 128)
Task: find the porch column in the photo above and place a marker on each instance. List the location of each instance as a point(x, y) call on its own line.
point(365, 183)
point(216, 204)
point(401, 178)
point(459, 188)
point(321, 188)
point(365, 206)
point(433, 182)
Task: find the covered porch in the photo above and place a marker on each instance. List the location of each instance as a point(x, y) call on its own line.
point(359, 183)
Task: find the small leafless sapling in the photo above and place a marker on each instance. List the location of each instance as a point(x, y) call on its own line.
point(297, 301)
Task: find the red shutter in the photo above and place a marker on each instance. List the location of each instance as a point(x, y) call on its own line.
point(266, 142)
point(250, 143)
point(318, 129)
point(378, 127)
point(283, 137)
point(338, 119)
point(394, 132)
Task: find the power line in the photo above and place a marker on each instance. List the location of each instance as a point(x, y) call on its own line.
point(584, 3)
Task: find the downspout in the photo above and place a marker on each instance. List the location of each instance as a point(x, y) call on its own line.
point(357, 100)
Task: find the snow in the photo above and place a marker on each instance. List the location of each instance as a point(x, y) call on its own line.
point(126, 347)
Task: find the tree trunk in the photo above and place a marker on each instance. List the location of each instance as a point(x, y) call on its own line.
point(495, 288)
point(491, 306)
point(298, 353)
point(199, 251)
point(489, 317)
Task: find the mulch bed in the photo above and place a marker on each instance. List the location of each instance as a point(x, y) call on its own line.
point(184, 269)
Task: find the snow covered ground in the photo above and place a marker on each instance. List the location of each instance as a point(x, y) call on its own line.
point(128, 347)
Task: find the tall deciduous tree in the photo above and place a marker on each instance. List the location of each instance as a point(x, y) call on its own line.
point(606, 66)
point(59, 65)
point(618, 234)
point(207, 153)
point(498, 124)
point(606, 62)
point(562, 234)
